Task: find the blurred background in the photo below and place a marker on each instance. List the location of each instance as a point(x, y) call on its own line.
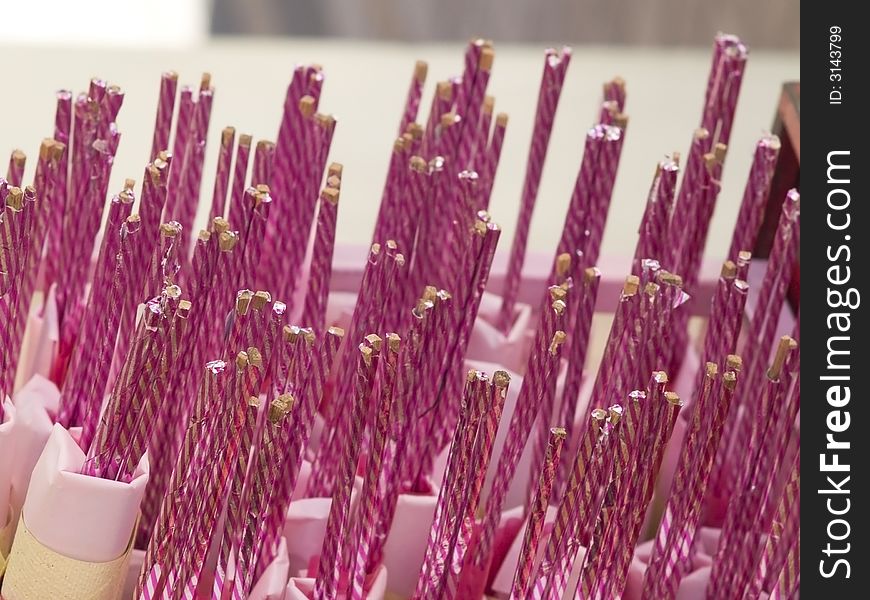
point(368, 49)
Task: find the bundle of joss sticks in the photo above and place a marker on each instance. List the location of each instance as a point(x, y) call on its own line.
point(219, 368)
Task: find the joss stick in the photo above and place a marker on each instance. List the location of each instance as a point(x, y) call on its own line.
point(165, 108)
point(314, 312)
point(653, 234)
point(222, 174)
point(328, 572)
point(452, 490)
point(368, 507)
point(493, 155)
point(75, 399)
point(578, 346)
point(15, 171)
point(226, 573)
point(681, 516)
point(263, 163)
point(524, 574)
point(412, 103)
point(576, 509)
point(736, 533)
point(542, 366)
point(555, 66)
point(496, 395)
point(235, 205)
point(755, 196)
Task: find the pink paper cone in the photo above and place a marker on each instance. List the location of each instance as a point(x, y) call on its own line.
point(406, 542)
point(488, 341)
point(34, 403)
point(273, 582)
point(40, 342)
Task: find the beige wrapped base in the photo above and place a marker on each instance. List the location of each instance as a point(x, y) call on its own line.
point(7, 534)
point(35, 572)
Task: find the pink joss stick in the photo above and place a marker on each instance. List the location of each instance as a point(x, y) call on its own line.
point(412, 102)
point(329, 569)
point(555, 66)
point(263, 163)
point(366, 524)
point(576, 506)
point(15, 171)
point(236, 203)
point(524, 574)
point(314, 312)
point(165, 108)
point(585, 297)
point(222, 175)
point(480, 465)
point(452, 492)
point(755, 196)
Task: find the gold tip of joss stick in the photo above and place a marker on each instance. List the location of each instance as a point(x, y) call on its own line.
point(170, 229)
point(394, 342)
point(241, 360)
point(261, 298)
point(701, 134)
point(558, 339)
point(501, 379)
point(366, 354)
point(227, 135)
point(57, 150)
point(711, 369)
point(614, 414)
point(557, 292)
point(418, 164)
point(488, 104)
point(734, 363)
point(501, 120)
point(444, 90)
point(651, 289)
point(15, 199)
point(487, 56)
point(329, 194)
point(19, 158)
point(253, 402)
point(290, 333)
point(255, 359)
point(335, 170)
point(558, 433)
point(173, 292)
point(448, 119)
point(719, 151)
point(129, 184)
point(590, 274)
point(559, 306)
point(421, 69)
point(660, 377)
point(45, 148)
point(227, 240)
point(204, 235)
point(243, 301)
point(620, 120)
point(220, 225)
point(744, 256)
point(415, 130)
point(670, 279)
point(205, 81)
point(632, 283)
point(399, 144)
point(392, 245)
point(183, 310)
point(471, 375)
point(280, 407)
point(786, 345)
point(729, 380)
point(599, 415)
point(171, 75)
point(563, 264)
point(308, 336)
point(134, 218)
point(729, 270)
point(673, 399)
point(245, 140)
point(375, 341)
point(324, 121)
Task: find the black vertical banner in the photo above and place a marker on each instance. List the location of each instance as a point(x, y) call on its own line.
point(835, 424)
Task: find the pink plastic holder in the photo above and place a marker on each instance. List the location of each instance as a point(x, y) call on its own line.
point(34, 403)
point(487, 340)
